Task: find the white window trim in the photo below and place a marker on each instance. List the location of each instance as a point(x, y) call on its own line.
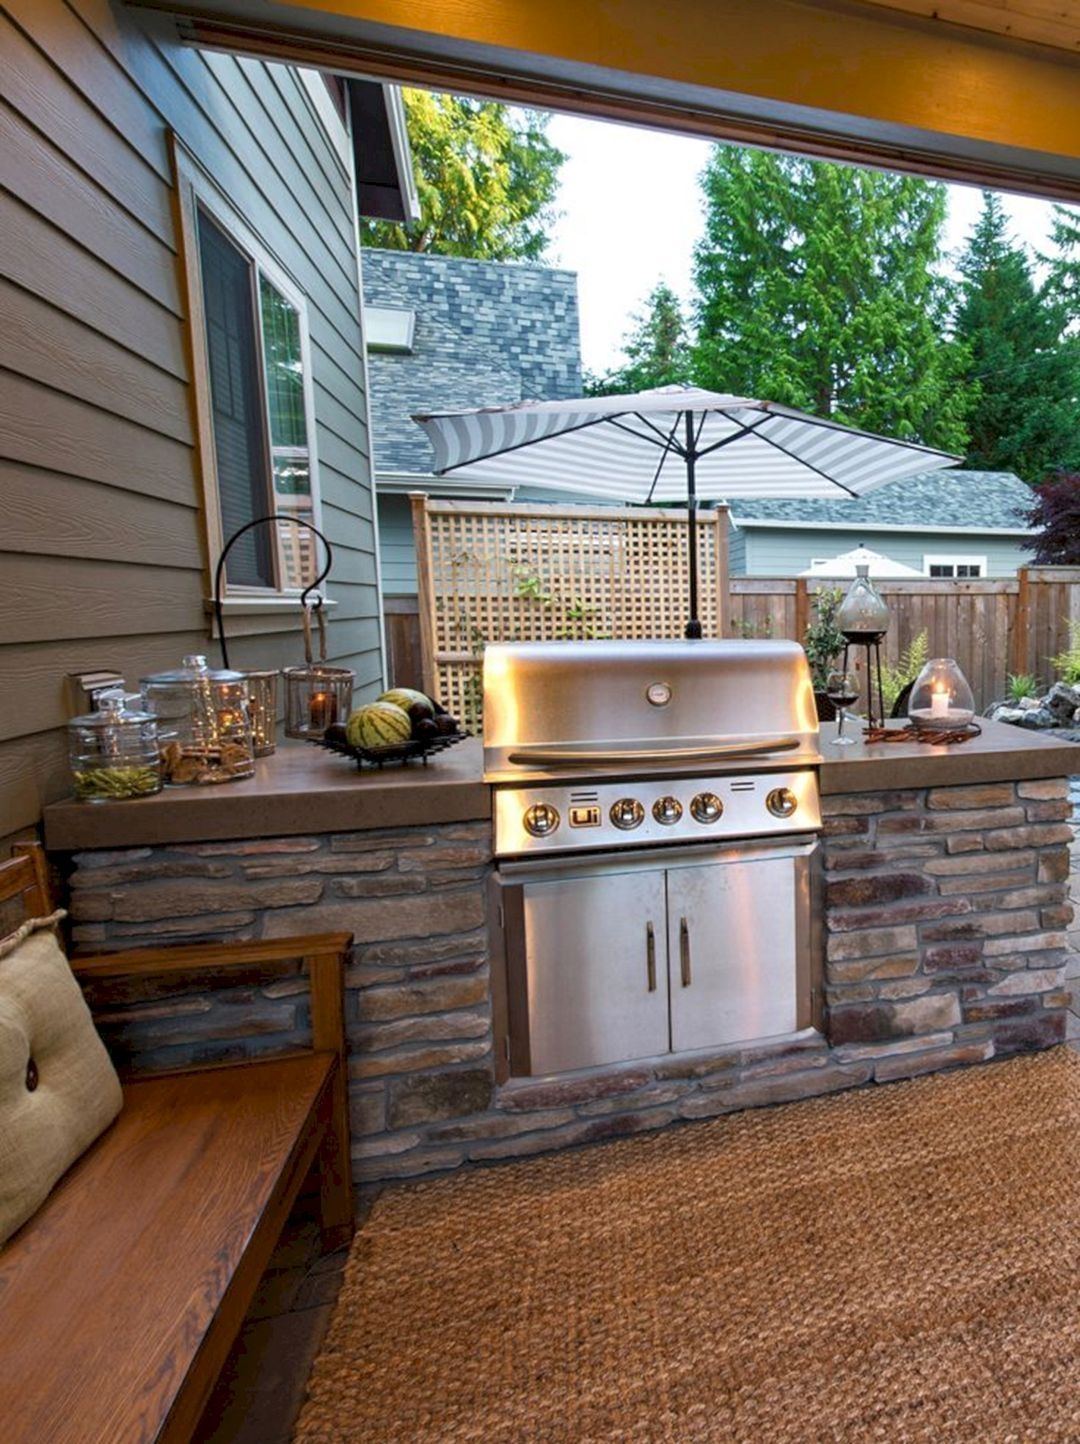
point(954, 559)
point(195, 188)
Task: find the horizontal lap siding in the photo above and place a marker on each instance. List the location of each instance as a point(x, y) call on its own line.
point(105, 555)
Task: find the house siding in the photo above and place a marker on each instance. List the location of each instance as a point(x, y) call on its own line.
point(779, 552)
point(105, 559)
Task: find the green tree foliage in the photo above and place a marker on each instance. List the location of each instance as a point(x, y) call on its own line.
point(486, 176)
point(1064, 281)
point(657, 349)
point(1023, 375)
point(820, 286)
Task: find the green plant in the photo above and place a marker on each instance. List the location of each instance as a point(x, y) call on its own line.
point(1021, 685)
point(908, 667)
point(747, 629)
point(824, 640)
point(1067, 663)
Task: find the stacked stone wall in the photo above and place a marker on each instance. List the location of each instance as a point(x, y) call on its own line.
point(945, 915)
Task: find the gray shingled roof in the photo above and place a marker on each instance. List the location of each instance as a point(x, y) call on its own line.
point(937, 498)
point(487, 333)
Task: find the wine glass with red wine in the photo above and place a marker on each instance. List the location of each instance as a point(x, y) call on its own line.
point(842, 689)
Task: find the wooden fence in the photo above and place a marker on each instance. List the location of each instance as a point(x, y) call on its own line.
point(992, 627)
point(500, 573)
point(492, 573)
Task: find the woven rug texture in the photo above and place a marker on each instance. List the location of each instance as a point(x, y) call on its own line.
point(895, 1263)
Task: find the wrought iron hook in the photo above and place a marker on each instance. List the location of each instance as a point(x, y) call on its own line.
point(219, 570)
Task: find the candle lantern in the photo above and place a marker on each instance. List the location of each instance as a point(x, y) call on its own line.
point(941, 699)
point(262, 708)
point(863, 618)
point(316, 695)
point(204, 728)
point(114, 751)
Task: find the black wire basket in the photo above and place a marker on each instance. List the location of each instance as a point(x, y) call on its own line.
point(415, 750)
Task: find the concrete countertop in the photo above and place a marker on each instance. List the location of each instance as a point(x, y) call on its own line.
point(302, 789)
point(1002, 753)
point(298, 789)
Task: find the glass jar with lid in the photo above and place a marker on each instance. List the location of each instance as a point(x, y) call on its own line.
point(113, 751)
point(204, 724)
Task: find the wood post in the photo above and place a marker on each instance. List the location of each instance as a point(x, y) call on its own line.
point(425, 591)
point(802, 608)
point(720, 544)
point(1020, 638)
point(327, 974)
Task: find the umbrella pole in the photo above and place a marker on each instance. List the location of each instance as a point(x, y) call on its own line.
point(693, 625)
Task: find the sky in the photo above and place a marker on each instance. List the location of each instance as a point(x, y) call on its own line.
point(631, 213)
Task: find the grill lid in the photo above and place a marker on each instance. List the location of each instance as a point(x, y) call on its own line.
point(639, 707)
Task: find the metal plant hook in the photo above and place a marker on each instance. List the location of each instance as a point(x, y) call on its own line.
point(219, 571)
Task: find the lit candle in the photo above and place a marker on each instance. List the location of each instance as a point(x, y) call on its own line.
point(939, 703)
point(322, 711)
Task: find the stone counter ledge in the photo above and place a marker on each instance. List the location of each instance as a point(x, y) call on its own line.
point(302, 790)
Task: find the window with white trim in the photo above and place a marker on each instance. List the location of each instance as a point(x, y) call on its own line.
point(254, 390)
point(954, 566)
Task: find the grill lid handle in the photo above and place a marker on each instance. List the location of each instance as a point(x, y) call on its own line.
point(592, 756)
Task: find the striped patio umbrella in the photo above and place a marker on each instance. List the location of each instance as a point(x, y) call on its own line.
point(675, 444)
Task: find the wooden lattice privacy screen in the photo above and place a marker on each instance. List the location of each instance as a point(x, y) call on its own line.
point(490, 572)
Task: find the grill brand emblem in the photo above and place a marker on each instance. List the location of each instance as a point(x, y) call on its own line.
point(658, 694)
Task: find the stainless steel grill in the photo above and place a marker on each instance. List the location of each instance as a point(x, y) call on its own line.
point(656, 810)
point(718, 739)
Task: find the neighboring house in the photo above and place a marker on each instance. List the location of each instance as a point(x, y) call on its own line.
point(442, 333)
point(944, 524)
point(184, 350)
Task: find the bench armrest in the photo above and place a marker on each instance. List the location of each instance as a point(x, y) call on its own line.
point(323, 954)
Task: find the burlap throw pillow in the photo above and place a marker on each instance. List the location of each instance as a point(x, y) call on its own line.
point(58, 1088)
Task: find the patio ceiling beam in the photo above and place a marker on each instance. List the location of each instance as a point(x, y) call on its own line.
point(826, 77)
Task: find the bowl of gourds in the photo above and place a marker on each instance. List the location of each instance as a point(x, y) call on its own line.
point(402, 725)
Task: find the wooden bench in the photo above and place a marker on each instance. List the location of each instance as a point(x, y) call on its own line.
point(120, 1298)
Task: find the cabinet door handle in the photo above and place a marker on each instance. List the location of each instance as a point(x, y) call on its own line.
point(650, 955)
point(684, 952)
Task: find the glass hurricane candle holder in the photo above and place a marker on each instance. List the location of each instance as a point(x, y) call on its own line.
point(316, 697)
point(204, 730)
point(940, 697)
point(262, 709)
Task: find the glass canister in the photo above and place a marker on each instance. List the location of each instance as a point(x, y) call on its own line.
point(863, 617)
point(114, 752)
point(262, 707)
point(940, 697)
point(204, 729)
point(316, 696)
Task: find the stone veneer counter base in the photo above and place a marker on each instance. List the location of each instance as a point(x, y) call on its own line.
point(944, 905)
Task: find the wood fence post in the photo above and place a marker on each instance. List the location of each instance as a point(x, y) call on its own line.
point(425, 591)
point(802, 608)
point(723, 580)
point(1020, 641)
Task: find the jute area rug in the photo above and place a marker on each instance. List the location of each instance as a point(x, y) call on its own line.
point(897, 1263)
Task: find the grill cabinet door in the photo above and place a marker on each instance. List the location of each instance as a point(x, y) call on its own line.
point(597, 988)
point(732, 950)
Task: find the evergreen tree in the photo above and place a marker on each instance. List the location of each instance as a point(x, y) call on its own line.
point(486, 176)
point(657, 349)
point(819, 286)
point(1022, 397)
point(1063, 285)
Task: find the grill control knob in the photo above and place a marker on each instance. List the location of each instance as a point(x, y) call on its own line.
point(627, 813)
point(667, 810)
point(706, 807)
point(781, 802)
point(540, 819)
